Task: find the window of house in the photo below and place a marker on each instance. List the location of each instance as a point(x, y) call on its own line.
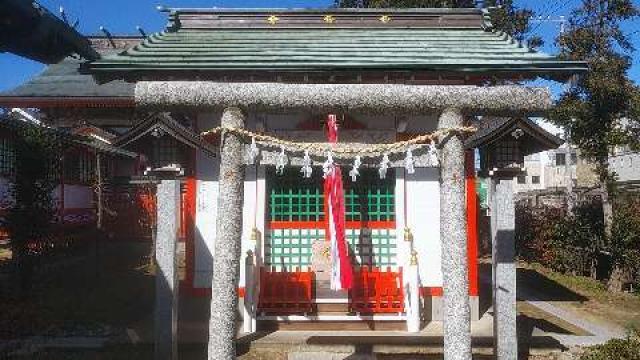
point(507, 154)
point(561, 159)
point(7, 157)
point(79, 167)
point(535, 179)
point(166, 152)
point(522, 179)
point(574, 158)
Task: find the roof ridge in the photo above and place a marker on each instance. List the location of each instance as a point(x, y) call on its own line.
point(222, 10)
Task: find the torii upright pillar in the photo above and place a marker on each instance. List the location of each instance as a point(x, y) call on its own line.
point(226, 260)
point(453, 229)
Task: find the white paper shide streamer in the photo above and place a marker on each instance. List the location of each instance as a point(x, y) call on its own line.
point(355, 169)
point(253, 151)
point(281, 161)
point(384, 166)
point(306, 170)
point(328, 165)
point(409, 163)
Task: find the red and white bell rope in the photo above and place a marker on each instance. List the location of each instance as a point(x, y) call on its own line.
point(341, 272)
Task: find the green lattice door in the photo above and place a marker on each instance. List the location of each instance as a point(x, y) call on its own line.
point(296, 219)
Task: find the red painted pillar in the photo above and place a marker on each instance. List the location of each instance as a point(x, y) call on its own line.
point(190, 222)
point(472, 221)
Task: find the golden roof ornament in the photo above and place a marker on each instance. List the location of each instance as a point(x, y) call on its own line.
point(273, 19)
point(408, 235)
point(255, 234)
point(385, 19)
point(414, 258)
point(329, 19)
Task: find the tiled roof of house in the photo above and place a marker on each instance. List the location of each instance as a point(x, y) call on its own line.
point(164, 122)
point(492, 128)
point(61, 84)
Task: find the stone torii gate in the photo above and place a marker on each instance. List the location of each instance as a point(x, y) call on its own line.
point(452, 103)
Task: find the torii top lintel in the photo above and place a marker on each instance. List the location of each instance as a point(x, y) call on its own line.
point(365, 98)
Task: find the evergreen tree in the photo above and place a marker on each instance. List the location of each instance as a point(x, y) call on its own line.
point(515, 21)
point(37, 165)
point(600, 108)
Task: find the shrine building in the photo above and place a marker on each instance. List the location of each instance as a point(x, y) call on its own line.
point(386, 76)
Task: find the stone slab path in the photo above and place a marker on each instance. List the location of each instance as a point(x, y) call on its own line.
point(600, 334)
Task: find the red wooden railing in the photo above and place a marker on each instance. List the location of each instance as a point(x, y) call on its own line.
point(377, 291)
point(285, 292)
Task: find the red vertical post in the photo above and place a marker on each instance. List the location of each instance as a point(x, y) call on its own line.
point(472, 221)
point(190, 221)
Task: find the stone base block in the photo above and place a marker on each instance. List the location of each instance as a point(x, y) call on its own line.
point(433, 308)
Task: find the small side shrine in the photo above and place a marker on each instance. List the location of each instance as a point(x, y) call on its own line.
point(502, 143)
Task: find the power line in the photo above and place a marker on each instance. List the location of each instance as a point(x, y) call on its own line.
point(546, 15)
point(561, 20)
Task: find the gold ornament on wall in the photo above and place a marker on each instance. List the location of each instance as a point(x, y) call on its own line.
point(408, 236)
point(255, 234)
point(273, 19)
point(414, 258)
point(329, 19)
point(385, 19)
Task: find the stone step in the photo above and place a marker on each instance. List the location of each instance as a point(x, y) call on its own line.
point(331, 325)
point(342, 307)
point(365, 345)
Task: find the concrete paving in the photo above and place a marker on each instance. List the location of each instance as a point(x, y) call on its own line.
point(599, 334)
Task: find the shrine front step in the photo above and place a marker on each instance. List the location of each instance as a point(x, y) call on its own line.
point(354, 345)
point(332, 308)
point(330, 325)
point(358, 345)
point(323, 291)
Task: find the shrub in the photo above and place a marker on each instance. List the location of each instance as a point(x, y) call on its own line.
point(624, 244)
point(616, 349)
point(563, 242)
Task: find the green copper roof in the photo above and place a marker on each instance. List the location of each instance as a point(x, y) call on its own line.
point(199, 41)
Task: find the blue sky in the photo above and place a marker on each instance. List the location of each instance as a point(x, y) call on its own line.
point(122, 17)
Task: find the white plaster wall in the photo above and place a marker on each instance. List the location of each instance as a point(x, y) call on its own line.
point(78, 197)
point(207, 174)
point(626, 166)
point(207, 169)
point(249, 217)
point(423, 217)
point(403, 248)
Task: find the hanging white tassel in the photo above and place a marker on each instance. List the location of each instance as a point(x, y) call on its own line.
point(327, 167)
point(306, 165)
point(281, 161)
point(384, 166)
point(253, 151)
point(433, 155)
point(409, 163)
point(355, 172)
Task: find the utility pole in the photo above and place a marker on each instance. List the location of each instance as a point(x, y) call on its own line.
point(560, 20)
